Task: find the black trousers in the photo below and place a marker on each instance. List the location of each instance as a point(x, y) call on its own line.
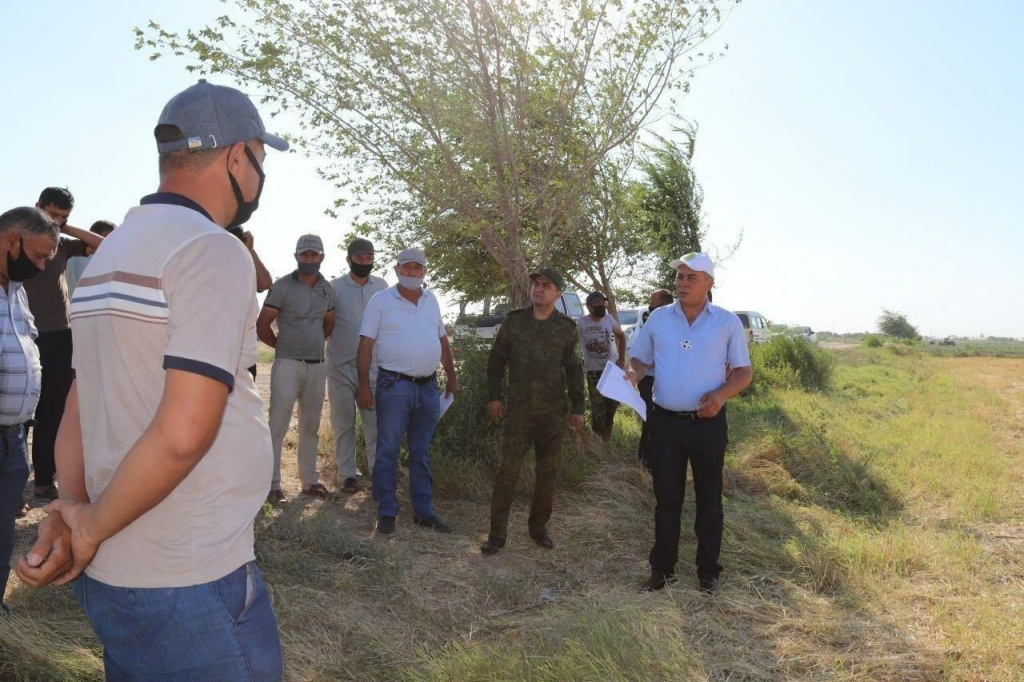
point(55, 357)
point(643, 450)
point(702, 444)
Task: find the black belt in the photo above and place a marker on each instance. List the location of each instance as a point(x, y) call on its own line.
point(416, 380)
point(308, 362)
point(681, 416)
point(8, 428)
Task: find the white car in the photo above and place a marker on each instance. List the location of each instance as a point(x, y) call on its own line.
point(487, 327)
point(632, 321)
point(805, 333)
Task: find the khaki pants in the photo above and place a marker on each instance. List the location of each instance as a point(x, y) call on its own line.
point(291, 381)
point(342, 382)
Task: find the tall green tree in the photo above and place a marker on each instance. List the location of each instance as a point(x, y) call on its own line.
point(895, 324)
point(670, 204)
point(473, 127)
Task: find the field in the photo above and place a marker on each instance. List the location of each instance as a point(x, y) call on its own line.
point(874, 531)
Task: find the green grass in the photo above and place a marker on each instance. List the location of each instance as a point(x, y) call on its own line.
point(874, 531)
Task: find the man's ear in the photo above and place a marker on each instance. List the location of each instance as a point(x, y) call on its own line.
point(236, 156)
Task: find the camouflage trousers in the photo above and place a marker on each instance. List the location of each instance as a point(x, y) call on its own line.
point(544, 433)
point(602, 410)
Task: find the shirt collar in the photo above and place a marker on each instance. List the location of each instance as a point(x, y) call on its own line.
point(319, 277)
point(174, 200)
point(709, 308)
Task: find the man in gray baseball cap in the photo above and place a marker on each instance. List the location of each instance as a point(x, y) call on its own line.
point(165, 458)
point(302, 304)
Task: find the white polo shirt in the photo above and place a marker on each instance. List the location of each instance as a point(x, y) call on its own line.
point(407, 335)
point(691, 359)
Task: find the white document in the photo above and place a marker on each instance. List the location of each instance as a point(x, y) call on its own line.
point(615, 386)
point(446, 401)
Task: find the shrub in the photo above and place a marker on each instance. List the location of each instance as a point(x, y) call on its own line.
point(793, 363)
point(872, 341)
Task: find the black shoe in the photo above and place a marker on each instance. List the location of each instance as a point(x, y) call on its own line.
point(492, 545)
point(275, 497)
point(350, 486)
point(709, 585)
point(22, 510)
point(544, 540)
point(657, 581)
point(435, 523)
point(385, 525)
point(49, 493)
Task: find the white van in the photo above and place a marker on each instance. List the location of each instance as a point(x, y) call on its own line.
point(757, 326)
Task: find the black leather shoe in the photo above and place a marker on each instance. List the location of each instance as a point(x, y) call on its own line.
point(350, 486)
point(492, 545)
point(435, 523)
point(276, 497)
point(385, 525)
point(657, 581)
point(544, 540)
point(708, 585)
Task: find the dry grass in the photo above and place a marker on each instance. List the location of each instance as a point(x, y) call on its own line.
point(872, 533)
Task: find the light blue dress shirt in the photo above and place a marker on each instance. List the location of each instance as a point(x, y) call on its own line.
point(691, 359)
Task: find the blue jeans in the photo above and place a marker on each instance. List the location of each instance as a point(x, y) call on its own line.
point(221, 630)
point(404, 408)
point(13, 477)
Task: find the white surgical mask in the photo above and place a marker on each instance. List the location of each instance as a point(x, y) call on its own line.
point(410, 283)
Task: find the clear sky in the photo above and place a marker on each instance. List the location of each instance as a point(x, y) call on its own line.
point(870, 151)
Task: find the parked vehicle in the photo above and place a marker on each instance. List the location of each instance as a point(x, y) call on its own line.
point(805, 333)
point(632, 321)
point(757, 326)
point(486, 327)
point(948, 341)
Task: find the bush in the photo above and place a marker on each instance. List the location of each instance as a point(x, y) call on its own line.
point(872, 341)
point(465, 431)
point(792, 363)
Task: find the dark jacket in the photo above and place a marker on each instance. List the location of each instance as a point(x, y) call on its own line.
point(543, 359)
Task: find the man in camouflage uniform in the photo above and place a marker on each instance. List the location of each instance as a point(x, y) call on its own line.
point(540, 347)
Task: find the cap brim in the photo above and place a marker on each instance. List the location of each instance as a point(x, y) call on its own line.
point(274, 142)
point(675, 264)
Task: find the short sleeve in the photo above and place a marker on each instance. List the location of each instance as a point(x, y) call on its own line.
point(643, 343)
point(275, 297)
point(371, 317)
point(616, 327)
point(739, 353)
point(441, 331)
point(210, 287)
point(70, 248)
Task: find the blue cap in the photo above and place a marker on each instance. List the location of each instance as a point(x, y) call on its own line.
point(214, 116)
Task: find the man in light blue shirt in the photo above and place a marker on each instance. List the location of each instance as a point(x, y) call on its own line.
point(692, 343)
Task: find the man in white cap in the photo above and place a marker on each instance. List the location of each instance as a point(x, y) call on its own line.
point(163, 455)
point(403, 323)
point(352, 292)
point(691, 344)
point(302, 304)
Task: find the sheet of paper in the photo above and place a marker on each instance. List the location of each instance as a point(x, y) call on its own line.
point(446, 401)
point(614, 385)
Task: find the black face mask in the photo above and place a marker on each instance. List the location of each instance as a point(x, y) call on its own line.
point(360, 270)
point(599, 311)
point(21, 268)
point(246, 208)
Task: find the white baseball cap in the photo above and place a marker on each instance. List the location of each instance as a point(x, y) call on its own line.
point(695, 261)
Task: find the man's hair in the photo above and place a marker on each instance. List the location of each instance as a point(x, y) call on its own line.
point(31, 220)
point(185, 160)
point(663, 295)
point(102, 227)
point(57, 196)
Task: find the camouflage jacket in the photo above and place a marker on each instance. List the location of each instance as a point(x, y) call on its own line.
point(543, 358)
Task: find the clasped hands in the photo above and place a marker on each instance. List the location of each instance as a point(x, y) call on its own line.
point(64, 547)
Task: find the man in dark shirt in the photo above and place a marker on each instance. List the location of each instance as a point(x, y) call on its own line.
point(540, 346)
point(48, 301)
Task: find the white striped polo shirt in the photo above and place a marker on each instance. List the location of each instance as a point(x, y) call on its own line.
point(170, 289)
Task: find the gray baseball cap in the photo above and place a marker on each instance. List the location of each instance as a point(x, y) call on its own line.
point(360, 245)
point(412, 255)
point(214, 116)
point(309, 242)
